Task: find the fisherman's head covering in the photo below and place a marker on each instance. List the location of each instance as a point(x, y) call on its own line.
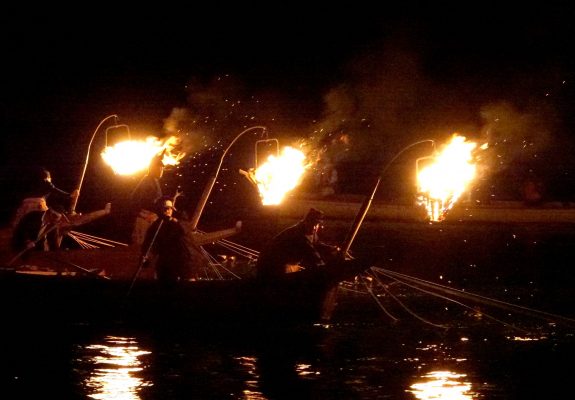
point(314, 216)
point(42, 174)
point(165, 202)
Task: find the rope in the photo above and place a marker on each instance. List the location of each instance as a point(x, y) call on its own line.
point(377, 300)
point(456, 302)
point(482, 299)
point(404, 306)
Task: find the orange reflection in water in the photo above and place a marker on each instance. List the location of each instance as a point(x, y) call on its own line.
point(444, 385)
point(116, 365)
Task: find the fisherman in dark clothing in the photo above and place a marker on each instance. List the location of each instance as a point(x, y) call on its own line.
point(295, 248)
point(167, 239)
point(45, 188)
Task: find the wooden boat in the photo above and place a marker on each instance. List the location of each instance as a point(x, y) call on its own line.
point(87, 297)
point(60, 287)
point(106, 285)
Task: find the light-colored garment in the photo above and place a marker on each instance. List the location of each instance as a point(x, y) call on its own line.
point(144, 220)
point(29, 204)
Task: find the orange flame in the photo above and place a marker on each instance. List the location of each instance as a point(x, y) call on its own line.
point(278, 175)
point(133, 156)
point(441, 183)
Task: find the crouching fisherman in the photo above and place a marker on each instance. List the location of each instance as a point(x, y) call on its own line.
point(166, 239)
point(37, 229)
point(296, 248)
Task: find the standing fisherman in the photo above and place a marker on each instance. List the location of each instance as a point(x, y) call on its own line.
point(167, 239)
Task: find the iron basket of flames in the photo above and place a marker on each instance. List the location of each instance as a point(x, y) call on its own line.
point(444, 176)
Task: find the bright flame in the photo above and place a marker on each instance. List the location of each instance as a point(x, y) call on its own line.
point(278, 175)
point(132, 156)
point(442, 183)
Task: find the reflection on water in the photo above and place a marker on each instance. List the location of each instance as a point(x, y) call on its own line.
point(248, 365)
point(446, 385)
point(116, 364)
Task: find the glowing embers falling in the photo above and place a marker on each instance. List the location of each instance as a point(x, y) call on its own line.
point(279, 175)
point(443, 181)
point(133, 156)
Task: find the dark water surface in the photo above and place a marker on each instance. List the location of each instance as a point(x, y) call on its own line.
point(436, 349)
point(356, 358)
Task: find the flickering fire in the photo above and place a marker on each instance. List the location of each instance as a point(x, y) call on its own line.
point(278, 175)
point(447, 177)
point(133, 156)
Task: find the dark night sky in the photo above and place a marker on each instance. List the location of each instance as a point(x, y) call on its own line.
point(417, 70)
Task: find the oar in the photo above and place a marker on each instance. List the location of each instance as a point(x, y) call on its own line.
point(31, 245)
point(144, 259)
point(79, 267)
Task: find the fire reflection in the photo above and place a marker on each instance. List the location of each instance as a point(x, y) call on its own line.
point(446, 385)
point(116, 366)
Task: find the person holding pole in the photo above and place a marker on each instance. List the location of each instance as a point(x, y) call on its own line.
point(43, 190)
point(167, 240)
point(37, 230)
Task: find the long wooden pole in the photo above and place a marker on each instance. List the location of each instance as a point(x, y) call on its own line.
point(362, 212)
point(208, 189)
point(75, 199)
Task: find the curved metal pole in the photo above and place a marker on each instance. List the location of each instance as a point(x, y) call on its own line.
point(75, 200)
point(367, 202)
point(212, 181)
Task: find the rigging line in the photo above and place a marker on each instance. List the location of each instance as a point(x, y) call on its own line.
point(377, 300)
point(237, 251)
point(214, 263)
point(211, 262)
point(486, 300)
point(79, 241)
point(223, 242)
point(404, 306)
point(88, 240)
point(83, 241)
point(233, 243)
point(97, 237)
point(229, 241)
point(352, 290)
point(458, 303)
point(86, 245)
point(246, 249)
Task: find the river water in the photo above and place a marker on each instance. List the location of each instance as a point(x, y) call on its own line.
point(354, 357)
point(409, 346)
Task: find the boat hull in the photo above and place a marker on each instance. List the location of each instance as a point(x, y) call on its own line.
point(299, 298)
